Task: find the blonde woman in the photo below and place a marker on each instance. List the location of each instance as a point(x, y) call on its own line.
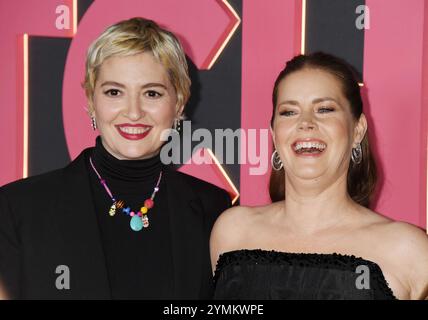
point(116, 223)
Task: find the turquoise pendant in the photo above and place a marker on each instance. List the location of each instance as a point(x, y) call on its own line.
point(136, 223)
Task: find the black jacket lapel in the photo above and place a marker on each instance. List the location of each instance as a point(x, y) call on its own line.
point(81, 237)
point(187, 234)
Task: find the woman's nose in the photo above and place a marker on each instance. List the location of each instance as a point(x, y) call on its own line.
point(306, 122)
point(134, 110)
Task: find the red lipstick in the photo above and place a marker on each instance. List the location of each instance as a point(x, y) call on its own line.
point(133, 131)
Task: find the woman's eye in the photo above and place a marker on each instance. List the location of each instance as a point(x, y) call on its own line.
point(153, 94)
point(325, 109)
point(112, 92)
point(287, 113)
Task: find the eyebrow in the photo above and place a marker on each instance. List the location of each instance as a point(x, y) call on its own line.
point(317, 100)
point(325, 99)
point(120, 85)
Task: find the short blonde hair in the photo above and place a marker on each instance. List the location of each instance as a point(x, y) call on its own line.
point(134, 36)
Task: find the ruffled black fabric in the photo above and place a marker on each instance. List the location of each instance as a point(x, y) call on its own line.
point(262, 274)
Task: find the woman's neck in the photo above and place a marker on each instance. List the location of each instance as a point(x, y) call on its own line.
point(311, 206)
point(125, 170)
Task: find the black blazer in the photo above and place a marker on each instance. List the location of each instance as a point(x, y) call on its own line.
point(49, 220)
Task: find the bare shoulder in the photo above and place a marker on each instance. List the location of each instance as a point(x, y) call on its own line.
point(404, 237)
point(400, 238)
point(406, 248)
point(233, 215)
point(410, 245)
point(232, 225)
point(231, 229)
point(407, 241)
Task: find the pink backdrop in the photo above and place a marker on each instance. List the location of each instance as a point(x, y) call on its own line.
point(395, 69)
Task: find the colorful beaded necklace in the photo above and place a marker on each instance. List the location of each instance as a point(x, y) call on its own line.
point(139, 219)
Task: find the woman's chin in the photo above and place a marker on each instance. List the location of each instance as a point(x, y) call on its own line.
point(308, 173)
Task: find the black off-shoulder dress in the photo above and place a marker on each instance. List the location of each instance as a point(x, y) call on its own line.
point(266, 275)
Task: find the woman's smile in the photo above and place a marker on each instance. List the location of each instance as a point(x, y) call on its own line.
point(133, 131)
point(308, 147)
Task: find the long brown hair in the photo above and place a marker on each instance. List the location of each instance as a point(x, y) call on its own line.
point(362, 177)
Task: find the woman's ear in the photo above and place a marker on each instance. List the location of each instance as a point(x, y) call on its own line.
point(179, 111)
point(273, 135)
point(90, 108)
point(360, 129)
point(90, 111)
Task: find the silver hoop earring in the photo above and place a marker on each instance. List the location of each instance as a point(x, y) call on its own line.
point(93, 123)
point(276, 161)
point(357, 154)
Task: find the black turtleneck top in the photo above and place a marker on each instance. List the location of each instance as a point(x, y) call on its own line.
point(138, 262)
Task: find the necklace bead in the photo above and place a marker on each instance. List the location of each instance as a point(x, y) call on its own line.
point(136, 223)
point(149, 203)
point(112, 210)
point(120, 204)
point(139, 219)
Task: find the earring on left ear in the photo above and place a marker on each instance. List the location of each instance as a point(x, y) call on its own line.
point(93, 123)
point(177, 125)
point(177, 122)
point(357, 154)
point(276, 161)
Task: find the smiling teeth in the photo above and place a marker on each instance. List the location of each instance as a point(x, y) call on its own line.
point(308, 145)
point(132, 130)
